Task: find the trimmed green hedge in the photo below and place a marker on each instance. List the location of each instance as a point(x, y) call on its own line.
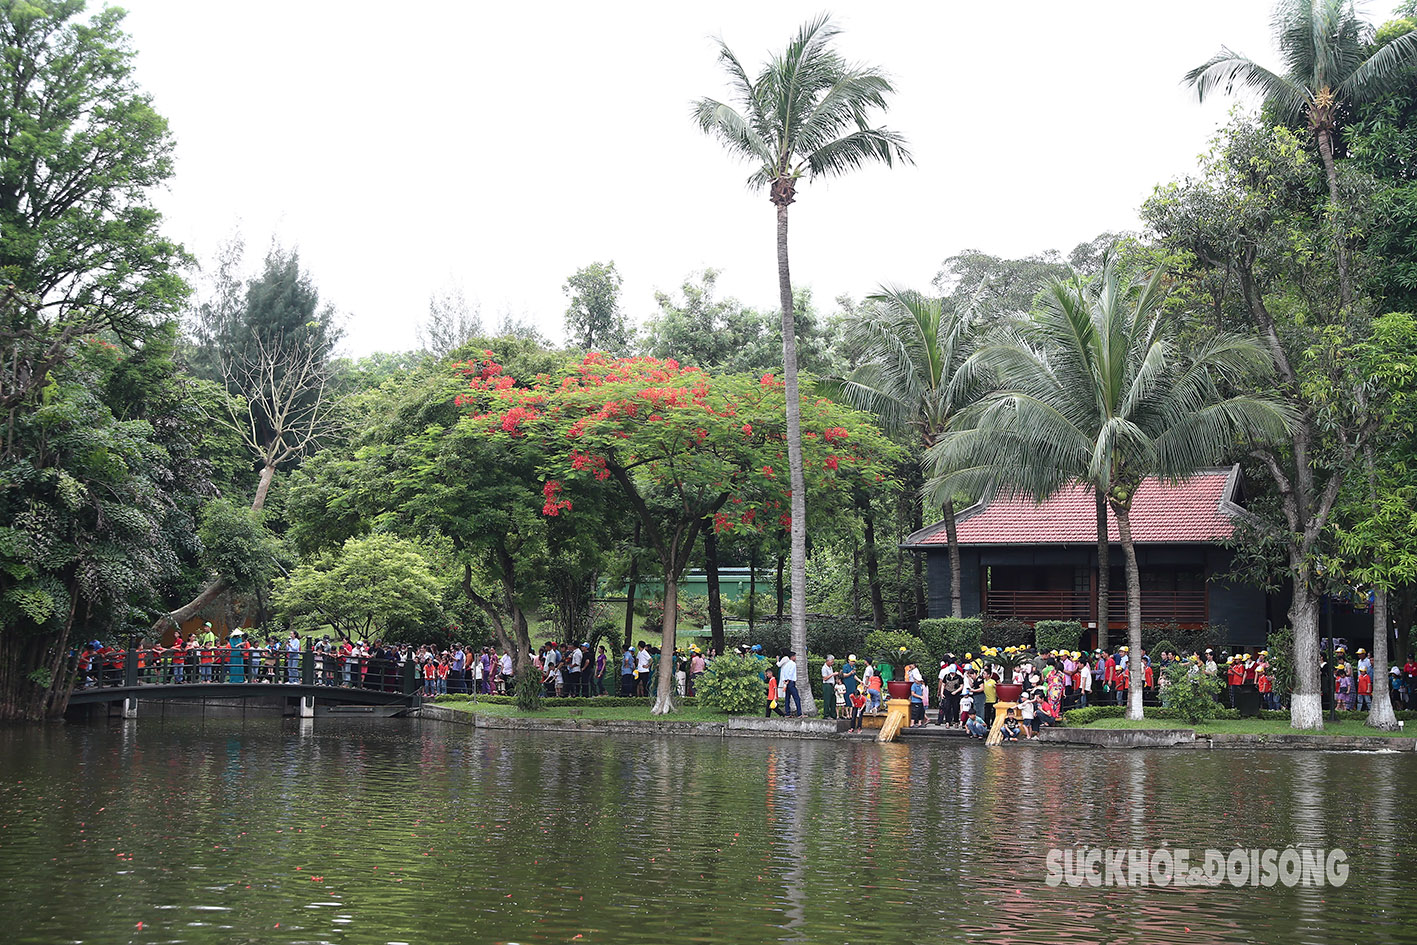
point(1006, 631)
point(884, 646)
point(603, 702)
point(1058, 635)
point(945, 635)
point(1094, 713)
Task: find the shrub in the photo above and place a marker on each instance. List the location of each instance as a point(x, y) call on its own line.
point(528, 689)
point(945, 635)
point(1006, 631)
point(1191, 695)
point(1281, 659)
point(1164, 645)
point(733, 683)
point(1058, 635)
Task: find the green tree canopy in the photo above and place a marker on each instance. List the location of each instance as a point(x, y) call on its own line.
point(369, 588)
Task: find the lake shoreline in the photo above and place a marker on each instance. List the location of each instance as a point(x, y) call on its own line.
point(1080, 737)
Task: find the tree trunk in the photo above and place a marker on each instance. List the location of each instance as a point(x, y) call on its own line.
point(1380, 716)
point(1136, 667)
point(664, 697)
point(873, 570)
point(1104, 573)
point(630, 592)
point(715, 601)
point(263, 487)
point(794, 450)
point(1306, 702)
point(1340, 254)
point(218, 585)
point(956, 573)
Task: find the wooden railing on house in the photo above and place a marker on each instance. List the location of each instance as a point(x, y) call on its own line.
point(1181, 607)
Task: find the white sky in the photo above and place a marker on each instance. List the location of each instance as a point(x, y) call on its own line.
point(404, 148)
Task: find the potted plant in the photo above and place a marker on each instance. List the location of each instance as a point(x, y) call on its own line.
point(1008, 658)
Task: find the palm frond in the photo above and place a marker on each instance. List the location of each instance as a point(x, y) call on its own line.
point(1384, 71)
point(1229, 69)
point(856, 149)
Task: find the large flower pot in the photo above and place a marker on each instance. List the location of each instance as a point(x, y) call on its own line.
point(1008, 693)
point(898, 689)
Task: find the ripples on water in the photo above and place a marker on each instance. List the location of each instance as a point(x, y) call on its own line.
point(345, 831)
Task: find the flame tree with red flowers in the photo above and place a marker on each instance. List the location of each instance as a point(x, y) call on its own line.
point(685, 449)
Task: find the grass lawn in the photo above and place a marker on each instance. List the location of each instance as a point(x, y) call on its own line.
point(1253, 727)
point(634, 713)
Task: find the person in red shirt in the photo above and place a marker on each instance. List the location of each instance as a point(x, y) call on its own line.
point(772, 696)
point(1365, 691)
point(858, 709)
point(1265, 683)
point(1235, 676)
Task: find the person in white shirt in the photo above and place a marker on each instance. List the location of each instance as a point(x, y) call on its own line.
point(829, 676)
point(642, 666)
point(787, 676)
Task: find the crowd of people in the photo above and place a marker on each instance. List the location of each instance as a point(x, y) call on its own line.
point(963, 692)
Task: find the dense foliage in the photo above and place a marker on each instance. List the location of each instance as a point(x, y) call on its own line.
point(734, 683)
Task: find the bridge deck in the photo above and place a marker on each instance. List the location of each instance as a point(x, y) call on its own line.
point(203, 691)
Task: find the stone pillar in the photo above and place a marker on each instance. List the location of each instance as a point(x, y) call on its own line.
point(307, 707)
point(130, 707)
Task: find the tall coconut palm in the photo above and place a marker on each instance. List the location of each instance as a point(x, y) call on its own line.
point(807, 113)
point(914, 375)
point(1095, 389)
point(1326, 47)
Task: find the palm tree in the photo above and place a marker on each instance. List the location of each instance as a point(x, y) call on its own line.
point(1095, 390)
point(807, 113)
point(914, 376)
point(1329, 64)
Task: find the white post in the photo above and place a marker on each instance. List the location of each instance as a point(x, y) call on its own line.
point(130, 707)
point(307, 707)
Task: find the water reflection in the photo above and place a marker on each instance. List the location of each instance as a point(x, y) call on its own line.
point(292, 831)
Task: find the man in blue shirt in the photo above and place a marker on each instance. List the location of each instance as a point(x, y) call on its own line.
point(627, 672)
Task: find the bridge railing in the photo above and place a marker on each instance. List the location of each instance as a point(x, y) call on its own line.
point(224, 665)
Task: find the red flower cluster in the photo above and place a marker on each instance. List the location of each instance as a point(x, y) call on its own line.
point(512, 419)
point(581, 460)
point(553, 506)
point(832, 434)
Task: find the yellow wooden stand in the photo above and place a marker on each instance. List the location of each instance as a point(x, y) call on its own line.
point(1002, 710)
point(897, 715)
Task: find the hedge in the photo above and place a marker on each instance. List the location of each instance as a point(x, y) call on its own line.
point(1006, 631)
point(1095, 712)
point(601, 702)
point(1058, 635)
point(884, 646)
point(958, 635)
point(836, 635)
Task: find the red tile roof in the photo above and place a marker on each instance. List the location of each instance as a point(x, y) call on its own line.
point(1198, 509)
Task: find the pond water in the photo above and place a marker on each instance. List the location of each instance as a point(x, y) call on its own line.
point(278, 831)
